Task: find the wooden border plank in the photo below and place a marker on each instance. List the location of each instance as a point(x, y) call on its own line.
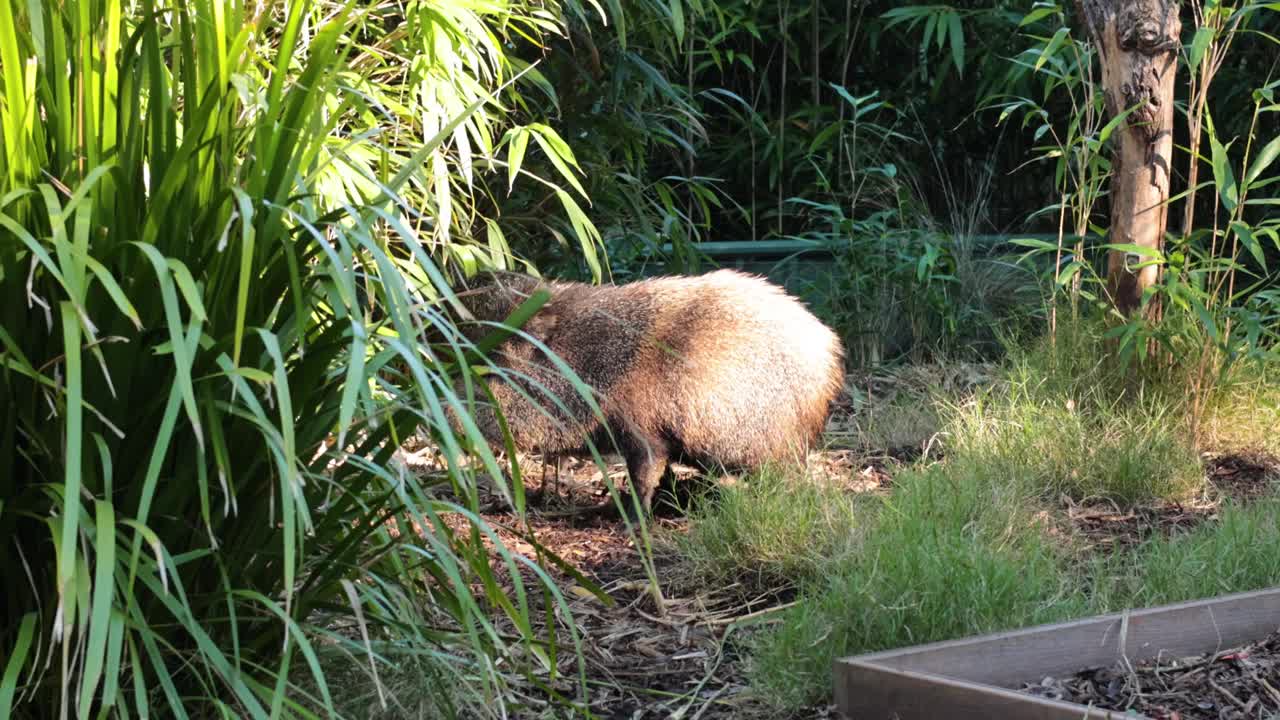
point(971, 671)
point(906, 694)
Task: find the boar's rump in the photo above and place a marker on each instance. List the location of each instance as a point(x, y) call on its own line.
point(720, 369)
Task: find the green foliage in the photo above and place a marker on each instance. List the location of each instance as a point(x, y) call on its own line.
point(1104, 407)
point(901, 287)
point(216, 267)
point(752, 118)
point(225, 229)
point(736, 120)
point(617, 99)
point(920, 295)
point(1066, 118)
point(1197, 277)
point(1212, 305)
point(1243, 411)
point(975, 543)
point(1129, 456)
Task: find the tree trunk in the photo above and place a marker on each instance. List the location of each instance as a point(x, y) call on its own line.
point(1138, 43)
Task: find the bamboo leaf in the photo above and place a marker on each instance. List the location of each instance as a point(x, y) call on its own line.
point(515, 155)
point(1037, 14)
point(911, 13)
point(1206, 319)
point(588, 236)
point(1204, 35)
point(676, 10)
point(1069, 271)
point(1265, 157)
point(1245, 233)
point(1112, 124)
point(1147, 252)
point(1223, 177)
point(1035, 244)
point(1051, 47)
point(931, 26)
point(957, 41)
point(13, 666)
point(559, 153)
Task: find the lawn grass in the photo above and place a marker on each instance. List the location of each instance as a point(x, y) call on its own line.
point(936, 568)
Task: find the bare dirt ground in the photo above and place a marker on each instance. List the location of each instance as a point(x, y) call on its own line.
point(668, 654)
point(646, 660)
point(672, 654)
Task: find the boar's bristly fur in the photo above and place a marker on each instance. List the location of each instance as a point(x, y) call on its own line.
point(720, 369)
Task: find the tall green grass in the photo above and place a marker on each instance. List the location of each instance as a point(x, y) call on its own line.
point(223, 229)
point(979, 541)
point(956, 552)
point(949, 554)
point(1067, 420)
point(1243, 411)
point(1239, 552)
point(773, 529)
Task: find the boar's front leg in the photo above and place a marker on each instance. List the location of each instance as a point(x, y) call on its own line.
point(647, 456)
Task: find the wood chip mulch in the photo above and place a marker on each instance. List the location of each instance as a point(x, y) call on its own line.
point(1107, 528)
point(645, 658)
point(1238, 684)
point(855, 471)
point(1243, 477)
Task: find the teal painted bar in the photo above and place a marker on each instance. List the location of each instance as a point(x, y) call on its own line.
point(773, 248)
point(802, 266)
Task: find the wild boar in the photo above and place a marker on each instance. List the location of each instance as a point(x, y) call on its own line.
point(724, 369)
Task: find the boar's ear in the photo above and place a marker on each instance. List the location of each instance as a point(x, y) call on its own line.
point(514, 288)
point(491, 295)
point(543, 322)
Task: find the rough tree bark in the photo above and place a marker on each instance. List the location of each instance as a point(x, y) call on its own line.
point(1138, 43)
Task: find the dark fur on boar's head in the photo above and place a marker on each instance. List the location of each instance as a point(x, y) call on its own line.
point(720, 369)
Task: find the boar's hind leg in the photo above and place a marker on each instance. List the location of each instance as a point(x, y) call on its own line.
point(646, 457)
